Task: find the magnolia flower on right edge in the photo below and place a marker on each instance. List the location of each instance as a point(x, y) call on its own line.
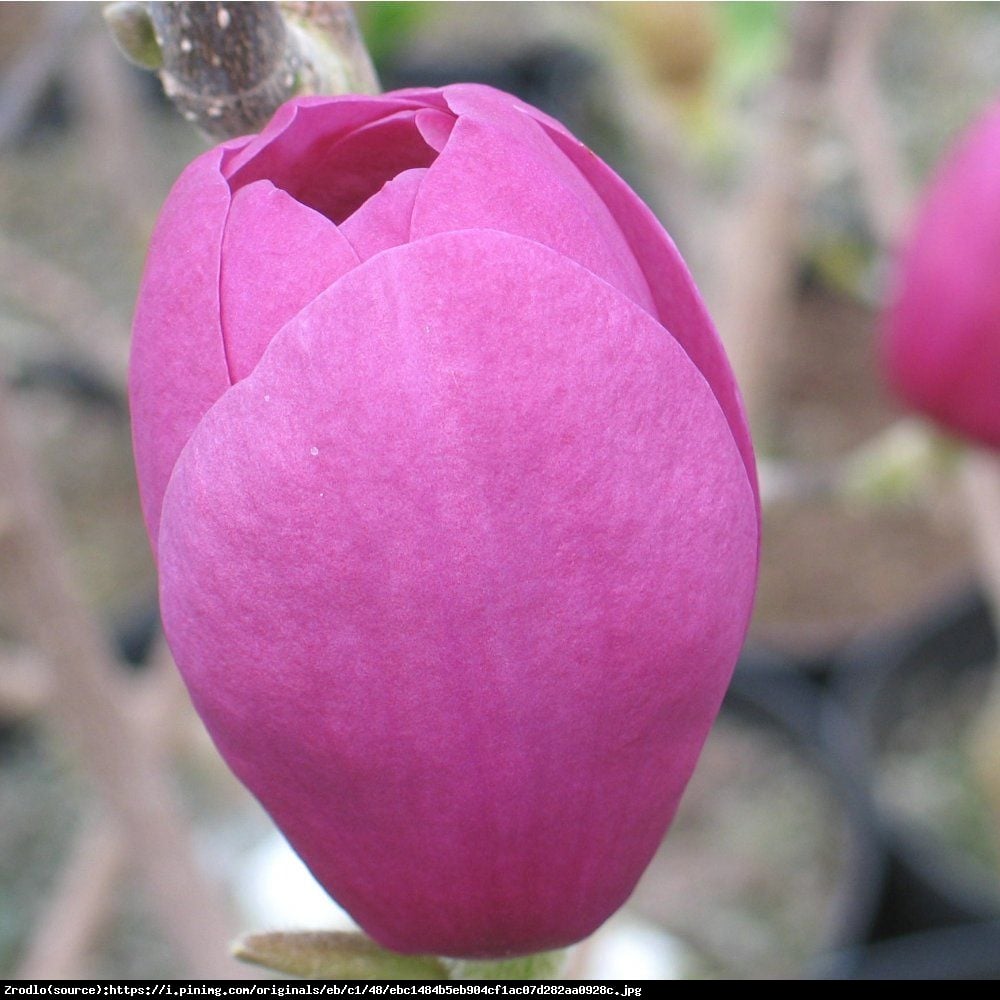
point(941, 346)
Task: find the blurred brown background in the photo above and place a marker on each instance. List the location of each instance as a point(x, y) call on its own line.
point(782, 145)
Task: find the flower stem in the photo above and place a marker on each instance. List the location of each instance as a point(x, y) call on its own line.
point(543, 965)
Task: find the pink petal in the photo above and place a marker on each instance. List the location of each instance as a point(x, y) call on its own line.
point(291, 135)
point(677, 301)
point(942, 344)
point(430, 97)
point(435, 127)
point(457, 577)
point(500, 171)
point(277, 255)
point(332, 169)
point(480, 100)
point(178, 364)
point(383, 221)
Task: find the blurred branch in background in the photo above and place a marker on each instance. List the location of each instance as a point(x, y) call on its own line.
point(120, 730)
point(114, 129)
point(89, 703)
point(858, 104)
point(69, 308)
point(981, 481)
point(27, 77)
point(25, 682)
point(856, 72)
point(761, 233)
point(80, 906)
point(229, 66)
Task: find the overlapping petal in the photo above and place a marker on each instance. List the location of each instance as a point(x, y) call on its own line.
point(383, 221)
point(499, 170)
point(507, 546)
point(277, 255)
point(677, 302)
point(178, 365)
point(333, 158)
point(303, 127)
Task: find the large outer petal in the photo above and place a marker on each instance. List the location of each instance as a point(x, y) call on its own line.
point(457, 578)
point(178, 362)
point(942, 344)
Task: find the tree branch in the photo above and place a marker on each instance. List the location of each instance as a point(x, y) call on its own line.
point(87, 703)
point(761, 235)
point(229, 66)
point(80, 905)
point(855, 97)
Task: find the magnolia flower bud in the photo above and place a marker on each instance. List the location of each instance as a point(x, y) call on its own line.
point(454, 505)
point(942, 338)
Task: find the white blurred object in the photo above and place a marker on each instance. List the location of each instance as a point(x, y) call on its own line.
point(278, 891)
point(627, 947)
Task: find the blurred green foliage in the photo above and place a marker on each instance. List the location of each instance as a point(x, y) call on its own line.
point(388, 25)
point(752, 40)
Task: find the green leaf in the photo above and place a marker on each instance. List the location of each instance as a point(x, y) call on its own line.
point(543, 965)
point(333, 955)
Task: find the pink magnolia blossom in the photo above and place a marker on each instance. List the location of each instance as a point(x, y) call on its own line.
point(942, 342)
point(454, 506)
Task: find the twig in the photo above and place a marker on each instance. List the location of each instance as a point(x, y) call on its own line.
point(78, 907)
point(762, 235)
point(161, 705)
point(855, 98)
point(981, 481)
point(157, 701)
point(229, 66)
point(113, 131)
point(25, 82)
point(82, 898)
point(68, 305)
point(25, 682)
point(86, 702)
